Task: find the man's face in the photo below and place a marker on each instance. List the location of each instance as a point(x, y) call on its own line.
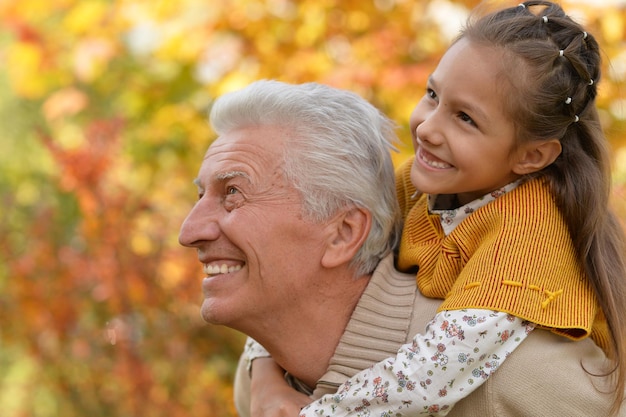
point(259, 254)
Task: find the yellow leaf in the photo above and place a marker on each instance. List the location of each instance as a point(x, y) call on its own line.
point(233, 81)
point(85, 16)
point(172, 273)
point(358, 21)
point(24, 62)
point(141, 244)
point(612, 27)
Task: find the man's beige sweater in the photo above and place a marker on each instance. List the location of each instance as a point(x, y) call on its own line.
point(545, 377)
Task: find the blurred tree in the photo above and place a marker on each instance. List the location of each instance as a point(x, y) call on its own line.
point(103, 123)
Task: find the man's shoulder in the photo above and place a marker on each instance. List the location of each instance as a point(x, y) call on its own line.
point(547, 375)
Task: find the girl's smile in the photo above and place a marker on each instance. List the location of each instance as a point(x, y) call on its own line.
point(431, 160)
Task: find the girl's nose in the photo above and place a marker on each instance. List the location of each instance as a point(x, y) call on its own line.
point(429, 128)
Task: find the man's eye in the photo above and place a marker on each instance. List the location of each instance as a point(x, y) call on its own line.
point(233, 198)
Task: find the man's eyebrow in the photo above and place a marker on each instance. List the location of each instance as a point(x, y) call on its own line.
point(221, 176)
point(231, 174)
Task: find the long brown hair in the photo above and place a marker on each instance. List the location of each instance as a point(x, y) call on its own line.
point(553, 70)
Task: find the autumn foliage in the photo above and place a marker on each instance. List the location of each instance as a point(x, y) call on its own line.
point(103, 126)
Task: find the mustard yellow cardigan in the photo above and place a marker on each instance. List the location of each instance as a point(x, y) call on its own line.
point(513, 255)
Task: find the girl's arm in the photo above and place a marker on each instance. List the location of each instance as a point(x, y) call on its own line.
point(459, 350)
point(270, 395)
point(253, 350)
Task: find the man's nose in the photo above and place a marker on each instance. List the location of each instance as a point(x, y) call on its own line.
point(200, 225)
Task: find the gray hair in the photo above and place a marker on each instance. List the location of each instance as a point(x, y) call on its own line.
point(339, 155)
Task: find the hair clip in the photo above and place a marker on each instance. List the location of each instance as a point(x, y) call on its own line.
point(568, 100)
point(545, 19)
point(584, 35)
point(576, 118)
point(591, 81)
point(522, 5)
point(561, 52)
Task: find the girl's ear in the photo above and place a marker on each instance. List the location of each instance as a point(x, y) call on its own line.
point(536, 155)
point(347, 234)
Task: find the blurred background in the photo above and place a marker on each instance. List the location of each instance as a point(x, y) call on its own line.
point(103, 126)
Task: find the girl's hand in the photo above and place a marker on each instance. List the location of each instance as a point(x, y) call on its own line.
point(270, 395)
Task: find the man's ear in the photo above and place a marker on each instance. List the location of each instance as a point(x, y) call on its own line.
point(348, 232)
point(536, 155)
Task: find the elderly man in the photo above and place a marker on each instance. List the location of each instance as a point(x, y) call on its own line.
point(295, 225)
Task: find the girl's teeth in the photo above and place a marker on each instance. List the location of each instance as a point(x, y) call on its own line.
point(437, 164)
point(434, 164)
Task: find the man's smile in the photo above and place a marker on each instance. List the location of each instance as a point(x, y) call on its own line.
point(216, 268)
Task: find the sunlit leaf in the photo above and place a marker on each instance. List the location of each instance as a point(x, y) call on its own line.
point(24, 63)
point(85, 16)
point(63, 103)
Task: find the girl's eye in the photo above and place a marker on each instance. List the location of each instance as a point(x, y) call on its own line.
point(431, 93)
point(463, 116)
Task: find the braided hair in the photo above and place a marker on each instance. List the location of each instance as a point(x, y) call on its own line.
point(552, 68)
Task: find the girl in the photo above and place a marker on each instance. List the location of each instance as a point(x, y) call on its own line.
point(513, 230)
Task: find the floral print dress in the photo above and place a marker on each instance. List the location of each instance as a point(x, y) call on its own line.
point(457, 352)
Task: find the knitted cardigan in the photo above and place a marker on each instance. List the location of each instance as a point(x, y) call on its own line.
point(513, 255)
point(547, 375)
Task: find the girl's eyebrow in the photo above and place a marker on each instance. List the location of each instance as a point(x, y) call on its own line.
point(431, 81)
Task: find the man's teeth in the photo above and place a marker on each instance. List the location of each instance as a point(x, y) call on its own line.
point(223, 269)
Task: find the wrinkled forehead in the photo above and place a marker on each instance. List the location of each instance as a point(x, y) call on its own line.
point(257, 151)
point(257, 139)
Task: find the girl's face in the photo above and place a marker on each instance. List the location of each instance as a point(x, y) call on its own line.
point(464, 142)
